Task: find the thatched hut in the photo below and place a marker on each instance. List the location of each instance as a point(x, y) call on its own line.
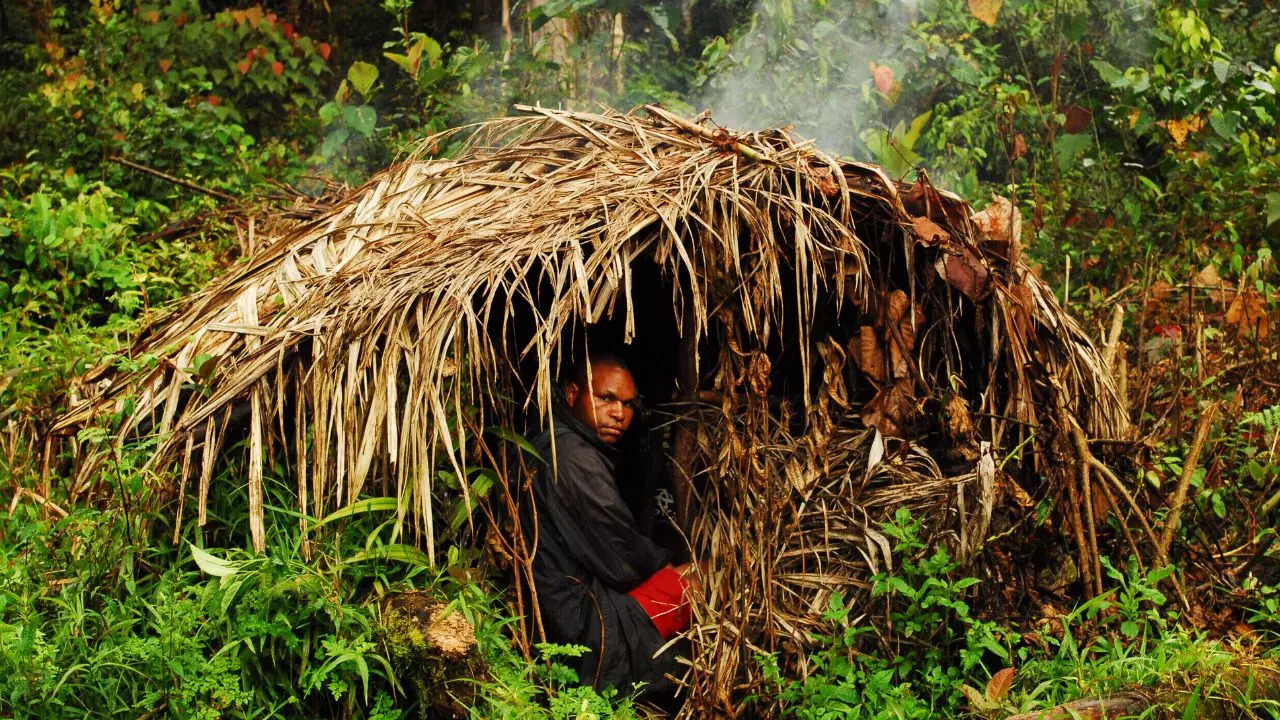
point(828, 345)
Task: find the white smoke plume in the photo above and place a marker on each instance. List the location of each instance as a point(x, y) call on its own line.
point(810, 63)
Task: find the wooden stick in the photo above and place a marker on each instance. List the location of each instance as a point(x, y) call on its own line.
point(1083, 456)
point(169, 178)
point(1188, 470)
point(704, 133)
point(1113, 338)
point(1120, 705)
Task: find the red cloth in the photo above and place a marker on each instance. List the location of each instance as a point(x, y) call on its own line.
point(663, 598)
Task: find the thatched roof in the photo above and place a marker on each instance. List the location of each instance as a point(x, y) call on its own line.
point(381, 324)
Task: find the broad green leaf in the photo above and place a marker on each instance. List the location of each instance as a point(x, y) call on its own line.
point(1069, 146)
point(380, 504)
point(545, 12)
point(360, 118)
point(333, 141)
point(912, 136)
point(328, 112)
point(1223, 123)
point(1221, 69)
point(362, 76)
point(399, 553)
point(663, 22)
point(400, 60)
point(1109, 73)
point(212, 564)
point(432, 49)
point(1273, 208)
point(514, 437)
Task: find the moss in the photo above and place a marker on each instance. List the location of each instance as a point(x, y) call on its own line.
point(433, 652)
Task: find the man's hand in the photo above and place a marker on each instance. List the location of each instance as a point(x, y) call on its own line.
point(690, 573)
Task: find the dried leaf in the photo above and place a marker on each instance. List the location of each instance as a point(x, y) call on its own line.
point(877, 451)
point(1019, 146)
point(986, 10)
point(1180, 128)
point(869, 355)
point(976, 699)
point(959, 421)
point(1011, 490)
point(891, 410)
point(1207, 277)
point(1249, 313)
point(901, 321)
point(929, 232)
point(1000, 221)
point(999, 685)
point(1078, 118)
point(966, 272)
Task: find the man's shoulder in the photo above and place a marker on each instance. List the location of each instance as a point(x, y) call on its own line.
point(573, 446)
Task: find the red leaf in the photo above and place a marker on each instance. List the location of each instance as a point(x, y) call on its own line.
point(324, 51)
point(165, 65)
point(244, 66)
point(277, 67)
point(287, 29)
point(1078, 118)
point(1000, 684)
point(214, 100)
point(966, 272)
point(883, 75)
point(1019, 146)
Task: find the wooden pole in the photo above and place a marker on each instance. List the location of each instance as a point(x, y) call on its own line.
point(685, 441)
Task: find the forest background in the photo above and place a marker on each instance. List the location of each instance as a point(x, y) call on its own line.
point(1138, 138)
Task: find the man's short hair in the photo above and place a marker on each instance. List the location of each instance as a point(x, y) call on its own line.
point(578, 375)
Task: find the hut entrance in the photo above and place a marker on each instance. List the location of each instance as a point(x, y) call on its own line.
point(658, 483)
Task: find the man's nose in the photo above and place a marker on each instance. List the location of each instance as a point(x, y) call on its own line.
point(616, 410)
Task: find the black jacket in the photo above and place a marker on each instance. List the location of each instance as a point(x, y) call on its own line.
point(589, 554)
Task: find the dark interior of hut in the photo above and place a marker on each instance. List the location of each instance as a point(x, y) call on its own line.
point(661, 360)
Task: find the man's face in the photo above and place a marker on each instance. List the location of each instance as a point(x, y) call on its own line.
point(608, 406)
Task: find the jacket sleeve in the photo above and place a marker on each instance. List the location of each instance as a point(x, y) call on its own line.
point(596, 524)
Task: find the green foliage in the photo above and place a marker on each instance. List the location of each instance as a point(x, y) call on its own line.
point(1141, 138)
point(915, 670)
point(73, 250)
point(923, 660)
point(165, 86)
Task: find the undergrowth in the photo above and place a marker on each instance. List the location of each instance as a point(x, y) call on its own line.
point(924, 657)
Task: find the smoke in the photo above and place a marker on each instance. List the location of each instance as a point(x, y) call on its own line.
point(828, 68)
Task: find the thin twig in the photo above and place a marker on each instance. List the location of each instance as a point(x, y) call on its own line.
point(169, 178)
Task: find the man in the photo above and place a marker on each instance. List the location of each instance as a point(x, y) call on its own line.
point(600, 582)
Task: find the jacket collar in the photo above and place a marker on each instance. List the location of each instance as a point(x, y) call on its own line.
point(562, 417)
